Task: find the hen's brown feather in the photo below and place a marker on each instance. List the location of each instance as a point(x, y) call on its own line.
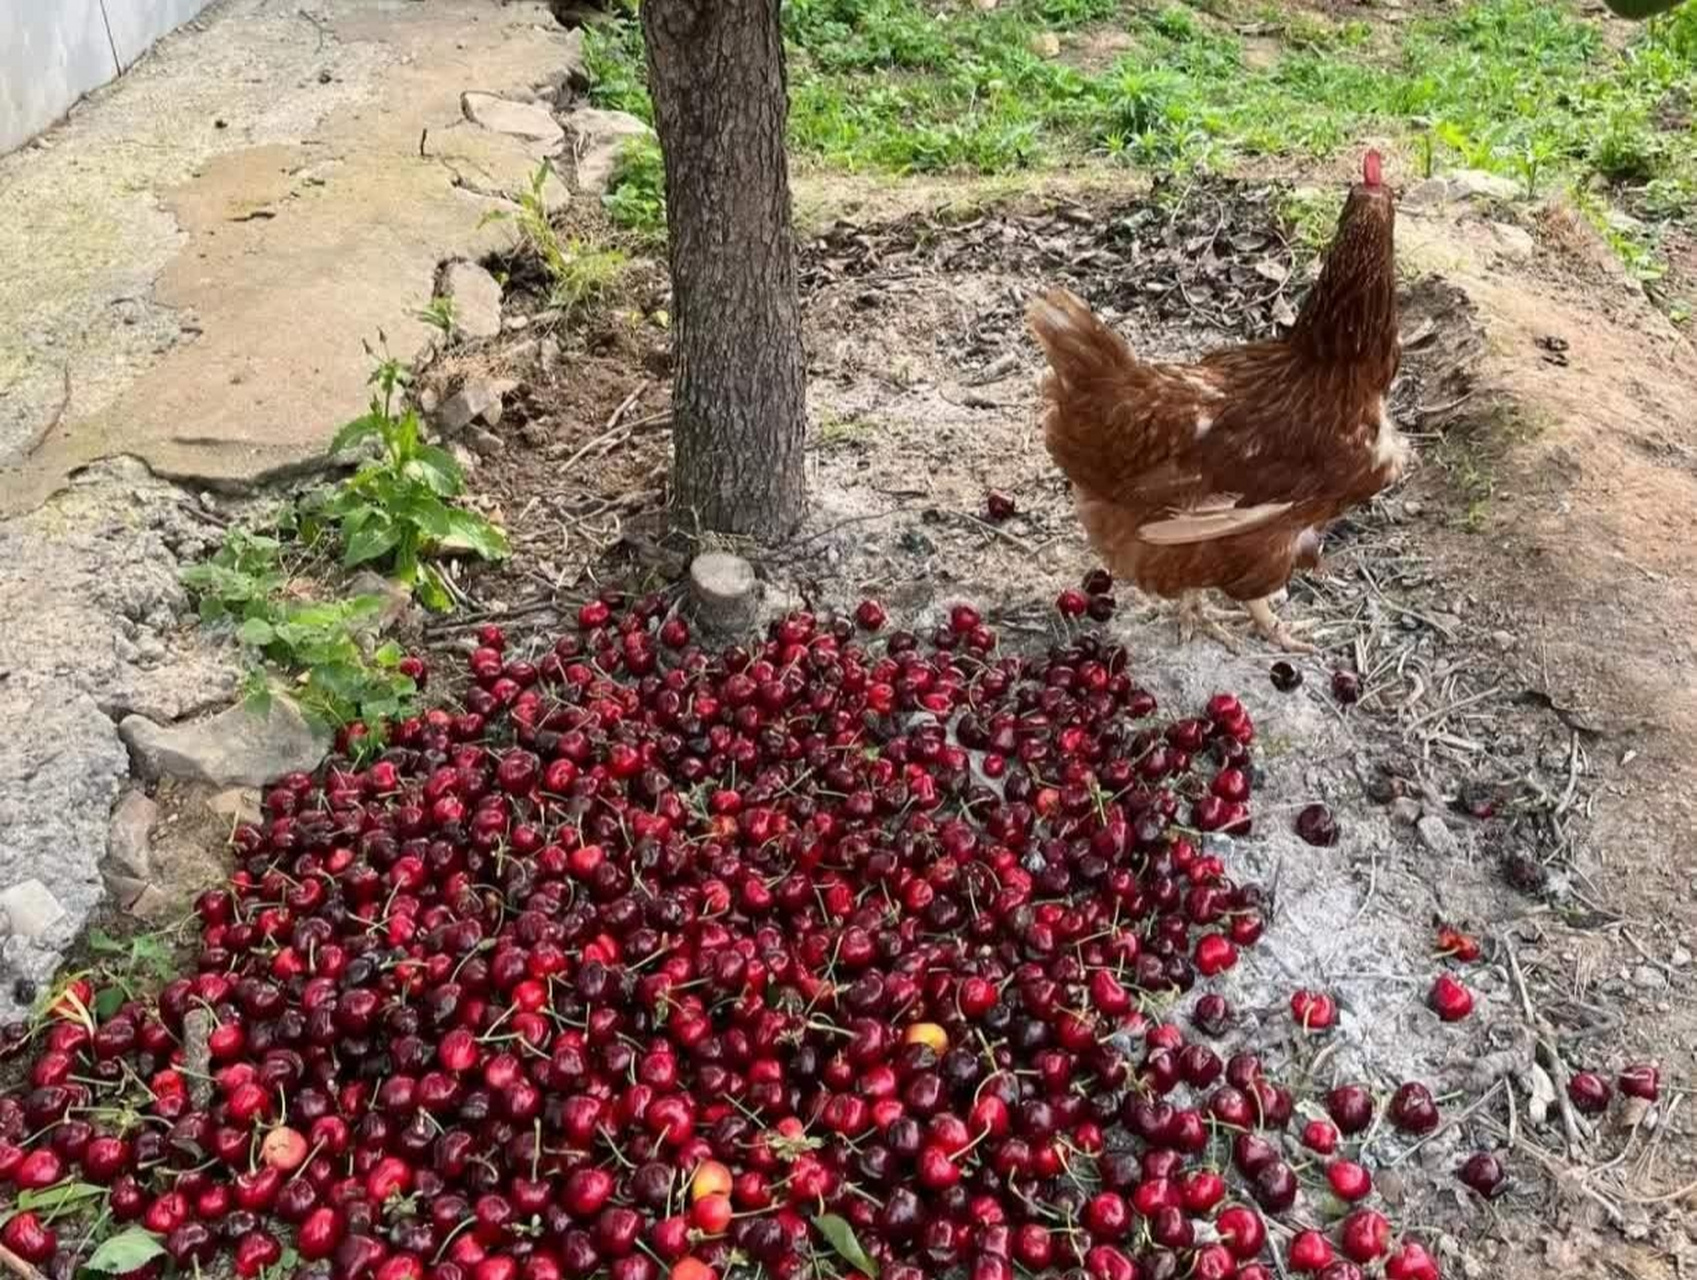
point(1224, 473)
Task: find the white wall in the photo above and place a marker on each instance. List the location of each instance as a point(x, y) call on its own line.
point(54, 51)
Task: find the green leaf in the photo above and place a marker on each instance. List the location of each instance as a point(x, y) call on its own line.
point(256, 691)
point(125, 1251)
point(100, 940)
point(256, 632)
point(360, 429)
point(109, 1001)
point(432, 594)
point(370, 543)
point(470, 532)
point(437, 469)
point(388, 654)
point(61, 1195)
point(840, 1236)
point(433, 516)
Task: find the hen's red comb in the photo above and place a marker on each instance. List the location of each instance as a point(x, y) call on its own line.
point(1372, 169)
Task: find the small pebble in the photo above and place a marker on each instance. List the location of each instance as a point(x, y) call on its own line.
point(1649, 978)
point(1437, 837)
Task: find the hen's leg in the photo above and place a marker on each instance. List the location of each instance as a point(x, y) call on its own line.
point(1268, 624)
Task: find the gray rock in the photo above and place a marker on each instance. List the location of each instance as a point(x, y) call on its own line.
point(1467, 184)
point(31, 909)
point(476, 296)
point(1406, 810)
point(473, 401)
point(398, 605)
point(234, 747)
point(95, 565)
point(1680, 958)
point(241, 804)
point(726, 594)
point(127, 834)
point(61, 764)
point(527, 120)
point(1437, 837)
point(598, 137)
point(1514, 243)
point(485, 442)
point(153, 905)
point(1649, 978)
point(125, 890)
point(1426, 193)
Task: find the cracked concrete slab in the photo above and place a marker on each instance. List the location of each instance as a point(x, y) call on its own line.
point(212, 238)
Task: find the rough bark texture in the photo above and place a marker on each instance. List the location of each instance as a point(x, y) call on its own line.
point(716, 72)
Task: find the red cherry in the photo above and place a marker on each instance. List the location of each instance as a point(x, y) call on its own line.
point(1449, 999)
point(1310, 1252)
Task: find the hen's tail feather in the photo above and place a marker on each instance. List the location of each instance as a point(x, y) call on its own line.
point(1088, 390)
point(1081, 349)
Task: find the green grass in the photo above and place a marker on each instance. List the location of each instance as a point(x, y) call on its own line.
point(1525, 88)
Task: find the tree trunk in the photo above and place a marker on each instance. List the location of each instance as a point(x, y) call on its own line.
point(716, 73)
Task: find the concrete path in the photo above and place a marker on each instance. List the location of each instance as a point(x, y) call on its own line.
point(193, 260)
point(189, 269)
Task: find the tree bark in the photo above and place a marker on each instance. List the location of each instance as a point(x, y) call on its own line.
point(716, 73)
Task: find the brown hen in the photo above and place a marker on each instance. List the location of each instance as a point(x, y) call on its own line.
point(1225, 473)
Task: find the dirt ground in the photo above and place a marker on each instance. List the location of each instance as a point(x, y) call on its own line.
point(1520, 611)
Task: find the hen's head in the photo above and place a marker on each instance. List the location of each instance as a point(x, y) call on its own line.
point(1370, 198)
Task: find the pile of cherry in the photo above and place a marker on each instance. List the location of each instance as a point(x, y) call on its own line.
point(838, 955)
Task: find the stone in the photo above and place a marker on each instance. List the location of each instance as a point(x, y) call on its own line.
point(240, 803)
point(61, 767)
point(398, 605)
point(485, 442)
point(1680, 958)
point(1468, 184)
point(31, 909)
point(153, 905)
point(238, 746)
point(1437, 837)
point(1046, 44)
point(1514, 243)
point(528, 120)
point(1649, 978)
point(548, 352)
point(725, 591)
point(476, 296)
point(472, 401)
point(1426, 193)
point(127, 833)
point(1406, 810)
point(197, 1053)
point(125, 890)
point(598, 137)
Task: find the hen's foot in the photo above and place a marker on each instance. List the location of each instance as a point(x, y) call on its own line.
point(1196, 612)
point(1268, 624)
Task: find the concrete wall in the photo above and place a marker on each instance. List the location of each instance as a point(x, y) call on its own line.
point(54, 51)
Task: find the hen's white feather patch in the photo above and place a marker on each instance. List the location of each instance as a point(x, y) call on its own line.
point(1209, 521)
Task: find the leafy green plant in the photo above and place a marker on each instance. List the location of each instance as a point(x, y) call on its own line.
point(439, 315)
point(396, 507)
point(577, 273)
point(1627, 151)
point(636, 191)
point(339, 676)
